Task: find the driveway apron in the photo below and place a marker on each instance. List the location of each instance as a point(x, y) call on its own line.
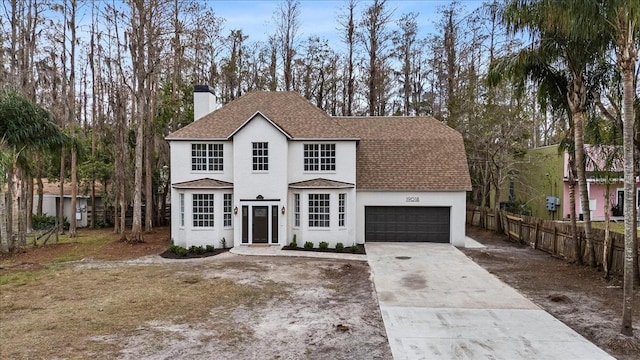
point(437, 303)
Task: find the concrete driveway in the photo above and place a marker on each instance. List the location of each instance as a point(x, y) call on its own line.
point(438, 304)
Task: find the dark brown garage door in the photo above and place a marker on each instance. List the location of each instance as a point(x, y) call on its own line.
point(407, 224)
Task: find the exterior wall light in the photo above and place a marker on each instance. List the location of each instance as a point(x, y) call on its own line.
point(235, 210)
point(283, 210)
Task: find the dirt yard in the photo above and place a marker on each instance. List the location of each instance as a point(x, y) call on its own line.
point(578, 296)
point(115, 300)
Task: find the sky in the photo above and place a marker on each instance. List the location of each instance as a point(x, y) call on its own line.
point(319, 17)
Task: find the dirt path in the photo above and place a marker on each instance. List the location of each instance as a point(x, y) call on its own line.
point(578, 296)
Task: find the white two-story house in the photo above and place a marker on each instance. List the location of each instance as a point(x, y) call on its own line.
point(271, 166)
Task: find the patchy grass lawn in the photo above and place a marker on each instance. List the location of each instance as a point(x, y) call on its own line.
point(64, 312)
point(224, 307)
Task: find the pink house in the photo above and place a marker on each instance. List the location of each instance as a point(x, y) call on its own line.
point(598, 176)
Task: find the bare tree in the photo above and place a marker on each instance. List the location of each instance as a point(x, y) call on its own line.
point(287, 24)
point(375, 38)
point(347, 23)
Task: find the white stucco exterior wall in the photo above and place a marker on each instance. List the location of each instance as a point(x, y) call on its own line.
point(334, 233)
point(345, 162)
point(181, 162)
point(188, 235)
point(455, 200)
point(271, 184)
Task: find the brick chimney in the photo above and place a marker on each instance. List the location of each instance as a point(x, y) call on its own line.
point(204, 101)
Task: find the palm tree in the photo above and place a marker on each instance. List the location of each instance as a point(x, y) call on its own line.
point(24, 127)
point(601, 25)
point(556, 58)
point(622, 18)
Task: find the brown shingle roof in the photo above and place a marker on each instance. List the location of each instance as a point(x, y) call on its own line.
point(287, 109)
point(321, 184)
point(408, 153)
point(203, 183)
point(394, 153)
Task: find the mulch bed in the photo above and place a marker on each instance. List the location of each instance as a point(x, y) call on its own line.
point(171, 255)
point(347, 250)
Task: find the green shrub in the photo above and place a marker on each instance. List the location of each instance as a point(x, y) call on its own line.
point(180, 251)
point(101, 224)
point(354, 248)
point(293, 244)
point(323, 245)
point(173, 248)
point(308, 245)
point(223, 242)
point(196, 249)
point(46, 222)
point(209, 248)
point(339, 247)
point(42, 222)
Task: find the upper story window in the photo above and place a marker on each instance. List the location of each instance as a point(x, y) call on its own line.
point(319, 157)
point(260, 156)
point(319, 210)
point(206, 157)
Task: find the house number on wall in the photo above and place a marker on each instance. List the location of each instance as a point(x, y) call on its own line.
point(413, 199)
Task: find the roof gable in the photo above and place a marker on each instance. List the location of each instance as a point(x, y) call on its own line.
point(264, 117)
point(287, 110)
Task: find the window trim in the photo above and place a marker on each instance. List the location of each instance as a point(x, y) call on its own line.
point(319, 211)
point(208, 217)
point(260, 151)
point(208, 156)
point(319, 157)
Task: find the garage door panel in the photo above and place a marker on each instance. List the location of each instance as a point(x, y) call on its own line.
point(407, 224)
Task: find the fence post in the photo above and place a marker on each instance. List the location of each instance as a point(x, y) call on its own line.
point(555, 240)
point(520, 239)
point(535, 239)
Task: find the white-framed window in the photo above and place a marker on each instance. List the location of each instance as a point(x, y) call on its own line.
point(319, 210)
point(319, 157)
point(207, 157)
point(203, 210)
point(296, 210)
point(181, 201)
point(260, 156)
point(228, 203)
point(342, 201)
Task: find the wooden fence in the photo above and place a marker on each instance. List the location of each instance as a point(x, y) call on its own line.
point(553, 237)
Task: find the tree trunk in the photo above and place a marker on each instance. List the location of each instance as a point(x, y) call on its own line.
point(29, 204)
point(607, 239)
point(626, 60)
point(61, 205)
point(71, 100)
point(576, 99)
point(148, 168)
point(572, 211)
point(4, 235)
point(40, 190)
